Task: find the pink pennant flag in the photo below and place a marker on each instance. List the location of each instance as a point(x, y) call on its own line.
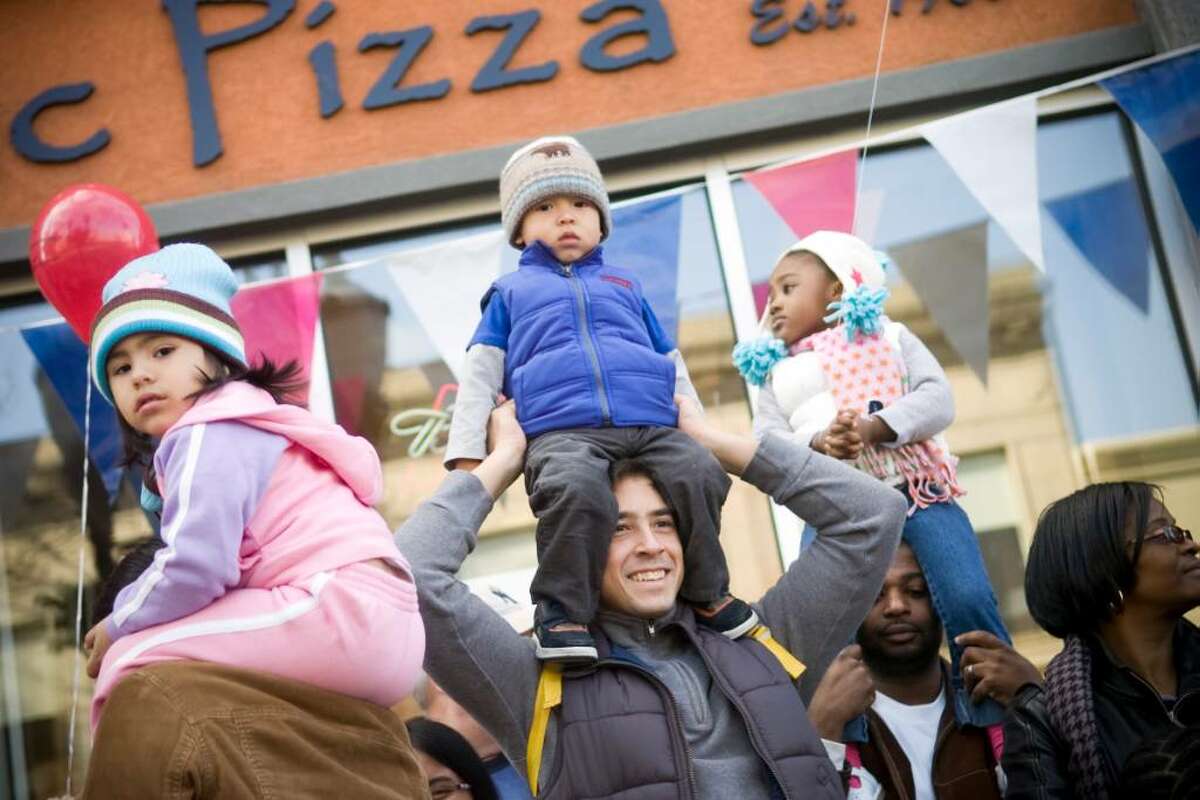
point(816, 195)
point(761, 292)
point(349, 395)
point(279, 320)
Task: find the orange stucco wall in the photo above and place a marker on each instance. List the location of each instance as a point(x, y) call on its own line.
point(266, 99)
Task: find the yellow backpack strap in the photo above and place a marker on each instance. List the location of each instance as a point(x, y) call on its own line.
point(790, 664)
point(549, 695)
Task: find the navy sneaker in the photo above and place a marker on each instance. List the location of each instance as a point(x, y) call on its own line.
point(559, 639)
point(734, 619)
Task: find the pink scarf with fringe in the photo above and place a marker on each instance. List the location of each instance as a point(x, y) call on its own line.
point(868, 369)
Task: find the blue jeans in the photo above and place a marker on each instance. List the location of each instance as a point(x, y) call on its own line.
point(948, 551)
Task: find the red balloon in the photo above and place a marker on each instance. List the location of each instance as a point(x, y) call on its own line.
point(82, 237)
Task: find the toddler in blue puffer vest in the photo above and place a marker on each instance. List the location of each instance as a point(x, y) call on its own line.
point(572, 339)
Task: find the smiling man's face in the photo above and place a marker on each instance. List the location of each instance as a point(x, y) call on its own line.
point(645, 559)
point(902, 633)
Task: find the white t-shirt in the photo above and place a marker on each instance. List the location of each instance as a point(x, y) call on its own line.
point(915, 729)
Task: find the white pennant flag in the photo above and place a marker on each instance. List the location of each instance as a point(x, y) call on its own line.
point(993, 150)
point(867, 214)
point(443, 285)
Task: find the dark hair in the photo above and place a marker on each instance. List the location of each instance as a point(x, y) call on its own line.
point(1078, 566)
point(1164, 767)
point(448, 747)
point(280, 381)
point(635, 468)
point(127, 570)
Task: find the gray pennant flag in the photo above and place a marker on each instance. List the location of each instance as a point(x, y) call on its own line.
point(948, 271)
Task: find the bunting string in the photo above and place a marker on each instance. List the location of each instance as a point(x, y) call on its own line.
point(862, 163)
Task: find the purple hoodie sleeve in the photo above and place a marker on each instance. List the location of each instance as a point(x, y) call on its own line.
point(215, 474)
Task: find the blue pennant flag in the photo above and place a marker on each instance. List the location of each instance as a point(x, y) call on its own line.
point(64, 360)
point(1108, 227)
point(1163, 99)
point(645, 240)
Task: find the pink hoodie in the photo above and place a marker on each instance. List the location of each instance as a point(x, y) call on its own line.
point(259, 494)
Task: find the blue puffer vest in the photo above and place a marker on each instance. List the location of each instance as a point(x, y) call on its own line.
point(579, 354)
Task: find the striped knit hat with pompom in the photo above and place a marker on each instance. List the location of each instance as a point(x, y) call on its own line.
point(182, 289)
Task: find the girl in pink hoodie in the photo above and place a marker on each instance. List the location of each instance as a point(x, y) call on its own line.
point(274, 559)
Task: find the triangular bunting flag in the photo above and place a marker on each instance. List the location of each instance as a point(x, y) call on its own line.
point(64, 359)
point(348, 396)
point(279, 320)
point(814, 195)
point(761, 292)
point(993, 150)
point(443, 285)
point(1164, 100)
point(949, 273)
point(1105, 224)
point(645, 241)
point(866, 221)
point(869, 212)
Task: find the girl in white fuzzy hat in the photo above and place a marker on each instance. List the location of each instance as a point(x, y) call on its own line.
point(843, 378)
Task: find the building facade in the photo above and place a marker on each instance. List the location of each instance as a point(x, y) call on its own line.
point(323, 138)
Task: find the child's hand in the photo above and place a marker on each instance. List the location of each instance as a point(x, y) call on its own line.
point(96, 643)
point(873, 430)
point(841, 439)
point(691, 418)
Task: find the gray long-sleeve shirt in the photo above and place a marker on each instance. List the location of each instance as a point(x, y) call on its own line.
point(813, 610)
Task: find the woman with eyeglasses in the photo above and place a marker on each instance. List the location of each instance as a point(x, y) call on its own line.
point(1112, 573)
point(453, 769)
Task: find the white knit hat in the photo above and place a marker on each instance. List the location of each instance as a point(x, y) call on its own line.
point(849, 258)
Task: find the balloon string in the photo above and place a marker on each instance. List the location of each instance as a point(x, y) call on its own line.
point(87, 438)
point(862, 163)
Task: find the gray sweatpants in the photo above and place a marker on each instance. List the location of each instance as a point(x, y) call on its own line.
point(570, 492)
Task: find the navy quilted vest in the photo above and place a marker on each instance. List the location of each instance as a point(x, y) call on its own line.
point(618, 729)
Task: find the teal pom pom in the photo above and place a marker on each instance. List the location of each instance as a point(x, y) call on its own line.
point(860, 312)
point(754, 359)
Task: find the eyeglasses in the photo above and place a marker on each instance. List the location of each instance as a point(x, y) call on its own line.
point(1170, 533)
point(441, 788)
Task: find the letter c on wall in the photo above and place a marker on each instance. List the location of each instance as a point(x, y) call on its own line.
point(26, 141)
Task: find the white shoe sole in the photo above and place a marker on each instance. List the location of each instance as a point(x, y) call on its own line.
point(577, 653)
point(741, 630)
